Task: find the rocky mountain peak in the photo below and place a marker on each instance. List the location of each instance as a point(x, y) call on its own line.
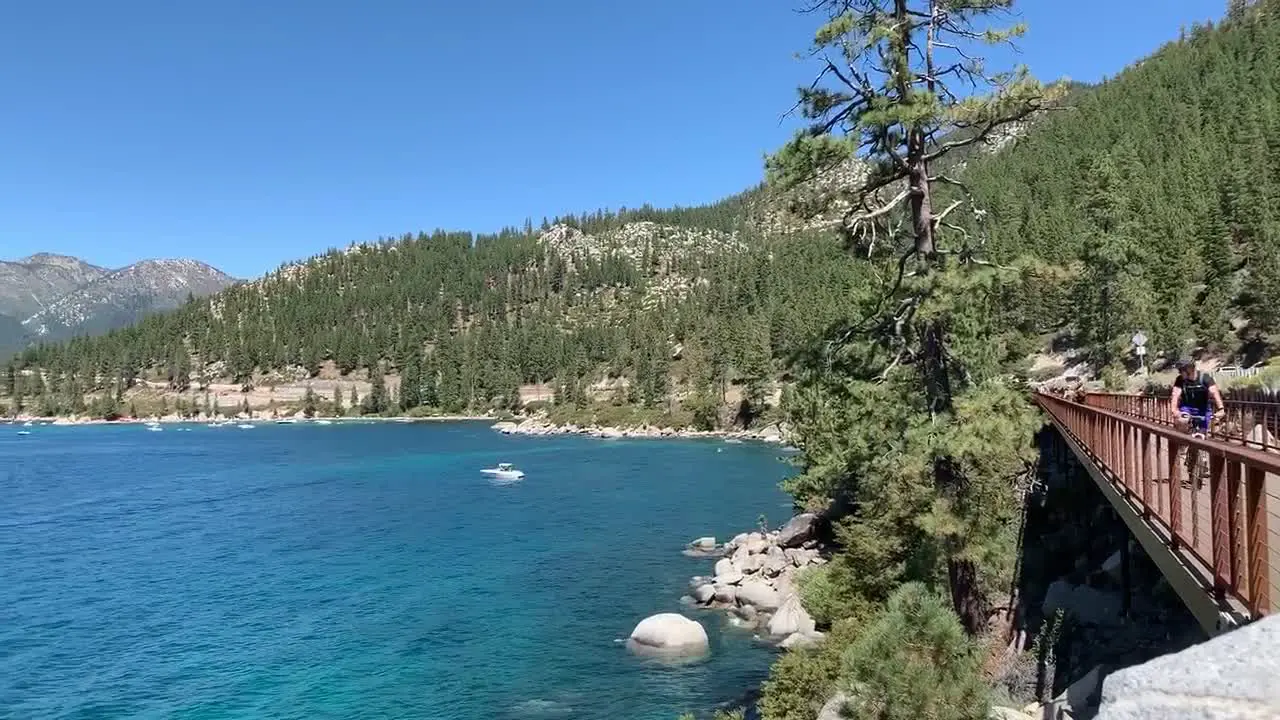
point(50, 296)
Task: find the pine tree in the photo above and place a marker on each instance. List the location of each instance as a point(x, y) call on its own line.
point(427, 381)
point(914, 661)
point(375, 402)
point(896, 94)
point(1260, 294)
point(309, 402)
point(179, 370)
point(1114, 300)
point(755, 366)
point(411, 383)
point(702, 401)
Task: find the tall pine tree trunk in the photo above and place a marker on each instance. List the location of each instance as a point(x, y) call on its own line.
point(967, 597)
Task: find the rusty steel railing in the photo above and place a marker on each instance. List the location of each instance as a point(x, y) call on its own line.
point(1255, 423)
point(1211, 502)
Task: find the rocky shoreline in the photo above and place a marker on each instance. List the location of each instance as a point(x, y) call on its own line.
point(754, 580)
point(775, 434)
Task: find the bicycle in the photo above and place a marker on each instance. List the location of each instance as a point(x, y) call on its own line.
point(1197, 462)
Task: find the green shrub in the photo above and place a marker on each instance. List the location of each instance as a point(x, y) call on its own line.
point(801, 681)
point(830, 592)
point(1115, 378)
point(915, 663)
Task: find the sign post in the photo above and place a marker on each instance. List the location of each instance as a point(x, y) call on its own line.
point(1140, 349)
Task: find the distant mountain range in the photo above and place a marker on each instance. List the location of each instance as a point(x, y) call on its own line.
point(54, 297)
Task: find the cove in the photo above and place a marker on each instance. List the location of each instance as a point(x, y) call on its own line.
point(362, 570)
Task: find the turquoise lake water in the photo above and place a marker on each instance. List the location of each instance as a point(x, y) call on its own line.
point(361, 571)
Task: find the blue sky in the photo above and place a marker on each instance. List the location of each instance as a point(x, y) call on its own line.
point(246, 133)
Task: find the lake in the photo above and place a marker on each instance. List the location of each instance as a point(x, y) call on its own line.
point(362, 570)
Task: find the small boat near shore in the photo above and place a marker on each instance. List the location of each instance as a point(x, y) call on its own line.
point(504, 471)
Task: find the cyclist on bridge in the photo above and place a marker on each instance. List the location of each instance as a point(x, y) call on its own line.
point(1192, 392)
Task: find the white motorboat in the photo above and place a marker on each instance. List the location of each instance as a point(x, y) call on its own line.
point(324, 422)
point(24, 432)
point(246, 426)
point(155, 428)
point(504, 471)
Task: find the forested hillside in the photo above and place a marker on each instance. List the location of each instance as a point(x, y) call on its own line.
point(1152, 201)
point(1160, 191)
point(687, 298)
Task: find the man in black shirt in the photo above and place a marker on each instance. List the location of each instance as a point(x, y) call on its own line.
point(1192, 393)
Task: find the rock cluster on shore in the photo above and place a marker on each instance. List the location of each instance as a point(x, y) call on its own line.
point(534, 426)
point(755, 579)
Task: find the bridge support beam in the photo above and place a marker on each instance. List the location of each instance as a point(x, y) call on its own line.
point(1126, 577)
point(1212, 617)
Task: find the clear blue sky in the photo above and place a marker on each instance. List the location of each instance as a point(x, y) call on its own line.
point(248, 132)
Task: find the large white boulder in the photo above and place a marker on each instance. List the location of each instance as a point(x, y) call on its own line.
point(801, 640)
point(733, 544)
point(704, 594)
point(759, 594)
point(798, 530)
point(1231, 676)
point(834, 708)
point(733, 577)
point(755, 543)
point(791, 618)
point(1089, 606)
point(668, 633)
point(704, 543)
point(724, 566)
point(726, 594)
point(750, 563)
point(773, 566)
